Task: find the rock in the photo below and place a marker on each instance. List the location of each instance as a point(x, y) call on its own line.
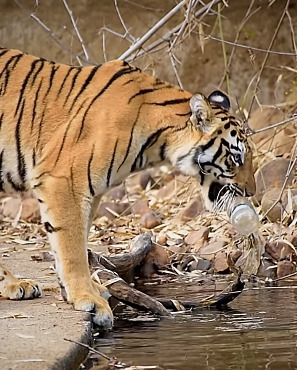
point(150, 220)
point(281, 142)
point(195, 236)
point(285, 268)
point(221, 262)
point(235, 254)
point(162, 239)
point(30, 210)
point(201, 264)
point(140, 207)
point(211, 249)
point(117, 193)
point(278, 250)
point(271, 196)
point(29, 207)
point(156, 259)
point(141, 179)
point(11, 207)
point(112, 209)
point(267, 269)
point(272, 175)
point(167, 191)
point(193, 210)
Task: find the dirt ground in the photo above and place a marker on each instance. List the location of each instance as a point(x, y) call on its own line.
point(32, 332)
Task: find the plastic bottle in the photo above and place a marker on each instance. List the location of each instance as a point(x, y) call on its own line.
point(243, 216)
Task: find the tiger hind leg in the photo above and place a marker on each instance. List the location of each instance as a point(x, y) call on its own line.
point(16, 289)
point(66, 218)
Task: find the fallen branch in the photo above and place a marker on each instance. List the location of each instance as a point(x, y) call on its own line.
point(123, 262)
point(120, 290)
point(222, 300)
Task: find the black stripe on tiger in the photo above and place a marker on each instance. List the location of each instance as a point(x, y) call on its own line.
point(109, 172)
point(21, 161)
point(130, 140)
point(74, 78)
point(15, 186)
point(117, 75)
point(7, 70)
point(64, 81)
point(1, 120)
point(1, 171)
point(41, 62)
point(35, 104)
point(91, 188)
point(171, 102)
point(151, 140)
point(148, 91)
point(84, 86)
point(51, 79)
point(24, 85)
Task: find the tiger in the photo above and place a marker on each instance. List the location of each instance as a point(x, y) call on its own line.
point(69, 133)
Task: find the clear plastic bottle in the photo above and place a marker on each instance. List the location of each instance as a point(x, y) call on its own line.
point(243, 216)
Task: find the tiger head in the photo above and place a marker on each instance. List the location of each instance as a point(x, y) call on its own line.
point(222, 157)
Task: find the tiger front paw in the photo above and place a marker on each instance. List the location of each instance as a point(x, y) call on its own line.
point(97, 306)
point(21, 289)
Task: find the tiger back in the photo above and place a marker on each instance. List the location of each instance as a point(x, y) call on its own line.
point(70, 133)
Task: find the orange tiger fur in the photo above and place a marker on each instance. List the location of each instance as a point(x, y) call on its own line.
point(69, 133)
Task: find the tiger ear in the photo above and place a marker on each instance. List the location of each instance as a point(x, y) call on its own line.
point(201, 112)
point(220, 99)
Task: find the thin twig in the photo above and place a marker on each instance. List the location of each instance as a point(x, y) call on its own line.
point(175, 69)
point(247, 16)
point(52, 34)
point(292, 31)
point(127, 32)
point(288, 173)
point(293, 118)
point(226, 73)
point(74, 23)
point(88, 347)
point(267, 54)
point(164, 39)
point(152, 31)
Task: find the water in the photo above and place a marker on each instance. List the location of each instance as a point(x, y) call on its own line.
point(258, 332)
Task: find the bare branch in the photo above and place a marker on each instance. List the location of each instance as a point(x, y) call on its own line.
point(52, 34)
point(127, 32)
point(152, 31)
point(164, 39)
point(267, 54)
point(74, 23)
point(293, 118)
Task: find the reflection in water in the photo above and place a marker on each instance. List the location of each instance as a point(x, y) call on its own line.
point(258, 332)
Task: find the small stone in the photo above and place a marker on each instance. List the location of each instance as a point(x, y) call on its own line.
point(193, 210)
point(201, 264)
point(30, 210)
point(278, 250)
point(269, 199)
point(211, 249)
point(167, 191)
point(117, 193)
point(112, 209)
point(156, 259)
point(150, 220)
point(195, 236)
point(272, 175)
point(221, 262)
point(285, 268)
point(235, 254)
point(11, 207)
point(267, 269)
point(162, 239)
point(140, 207)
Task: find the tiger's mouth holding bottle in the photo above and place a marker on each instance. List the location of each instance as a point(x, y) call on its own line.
point(222, 196)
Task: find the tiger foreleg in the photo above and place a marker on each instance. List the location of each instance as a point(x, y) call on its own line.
point(13, 288)
point(66, 219)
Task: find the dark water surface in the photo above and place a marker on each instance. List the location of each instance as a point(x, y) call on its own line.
point(258, 332)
